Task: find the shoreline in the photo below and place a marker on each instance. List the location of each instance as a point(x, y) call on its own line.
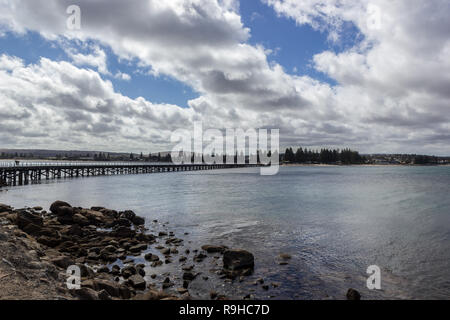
point(108, 247)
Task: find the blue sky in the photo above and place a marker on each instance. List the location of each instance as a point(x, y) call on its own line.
point(293, 47)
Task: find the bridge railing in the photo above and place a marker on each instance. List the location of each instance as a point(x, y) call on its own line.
point(28, 164)
point(9, 164)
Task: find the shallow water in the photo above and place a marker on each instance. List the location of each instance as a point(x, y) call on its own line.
point(334, 221)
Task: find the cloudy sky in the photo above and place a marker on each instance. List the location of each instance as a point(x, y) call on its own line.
point(371, 75)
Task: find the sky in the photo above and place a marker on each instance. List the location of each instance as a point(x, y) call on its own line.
point(370, 75)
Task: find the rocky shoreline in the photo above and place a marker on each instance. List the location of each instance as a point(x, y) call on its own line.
point(38, 247)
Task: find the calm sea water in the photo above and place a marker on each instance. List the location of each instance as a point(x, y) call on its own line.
point(334, 221)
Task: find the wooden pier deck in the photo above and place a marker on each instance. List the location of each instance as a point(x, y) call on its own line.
point(26, 173)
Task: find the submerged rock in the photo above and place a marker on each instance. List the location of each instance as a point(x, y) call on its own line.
point(238, 259)
point(352, 294)
point(214, 249)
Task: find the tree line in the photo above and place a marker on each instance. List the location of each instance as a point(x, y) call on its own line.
point(325, 156)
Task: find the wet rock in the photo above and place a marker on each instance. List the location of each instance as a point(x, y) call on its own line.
point(103, 269)
point(86, 272)
point(138, 221)
point(111, 287)
point(65, 215)
point(214, 249)
point(115, 270)
point(189, 276)
point(57, 204)
point(80, 220)
point(123, 222)
point(151, 295)
point(156, 264)
point(128, 271)
point(199, 257)
point(4, 207)
point(141, 270)
point(49, 242)
point(213, 295)
point(182, 290)
point(32, 229)
point(128, 214)
point(104, 295)
point(165, 251)
point(86, 294)
point(63, 262)
point(285, 256)
point(25, 218)
point(167, 283)
point(123, 232)
point(151, 257)
point(137, 282)
point(138, 248)
point(352, 294)
point(238, 259)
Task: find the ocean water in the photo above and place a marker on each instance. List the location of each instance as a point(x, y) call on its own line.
point(334, 221)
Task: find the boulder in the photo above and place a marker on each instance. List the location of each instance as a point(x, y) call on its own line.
point(63, 262)
point(111, 287)
point(104, 295)
point(49, 241)
point(4, 207)
point(138, 248)
point(354, 295)
point(57, 204)
point(138, 221)
point(189, 276)
point(86, 294)
point(32, 229)
point(151, 257)
point(285, 256)
point(129, 215)
point(137, 282)
point(65, 214)
point(123, 232)
point(25, 218)
point(122, 222)
point(80, 220)
point(151, 295)
point(238, 259)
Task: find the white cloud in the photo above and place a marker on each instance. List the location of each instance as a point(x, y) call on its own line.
point(58, 104)
point(122, 76)
point(96, 59)
point(390, 86)
point(9, 63)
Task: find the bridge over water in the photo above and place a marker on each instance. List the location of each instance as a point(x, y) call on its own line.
point(13, 174)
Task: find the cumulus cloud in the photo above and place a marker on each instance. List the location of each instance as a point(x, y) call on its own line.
point(96, 59)
point(59, 104)
point(389, 85)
